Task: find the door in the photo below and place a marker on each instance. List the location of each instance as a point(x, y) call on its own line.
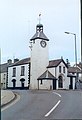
point(22, 84)
point(60, 82)
point(71, 83)
point(54, 84)
point(14, 83)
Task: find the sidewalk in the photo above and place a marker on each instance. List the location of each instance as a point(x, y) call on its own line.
point(6, 96)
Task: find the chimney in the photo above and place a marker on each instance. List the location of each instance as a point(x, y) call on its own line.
point(9, 61)
point(16, 60)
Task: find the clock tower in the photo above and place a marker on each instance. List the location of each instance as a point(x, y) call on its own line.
point(39, 55)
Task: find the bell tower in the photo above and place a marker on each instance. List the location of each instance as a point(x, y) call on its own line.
point(39, 55)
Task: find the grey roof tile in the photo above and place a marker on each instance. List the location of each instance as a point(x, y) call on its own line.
point(55, 63)
point(21, 62)
point(74, 70)
point(39, 35)
point(3, 67)
point(47, 75)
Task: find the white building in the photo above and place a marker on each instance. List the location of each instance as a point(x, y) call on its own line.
point(3, 73)
point(56, 76)
point(38, 72)
point(45, 74)
point(39, 55)
point(19, 74)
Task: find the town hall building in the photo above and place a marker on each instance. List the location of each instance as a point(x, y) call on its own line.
point(37, 72)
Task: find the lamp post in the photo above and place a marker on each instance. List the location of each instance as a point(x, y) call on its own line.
point(75, 50)
point(75, 46)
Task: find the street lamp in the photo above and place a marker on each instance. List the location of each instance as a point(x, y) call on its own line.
point(75, 50)
point(75, 46)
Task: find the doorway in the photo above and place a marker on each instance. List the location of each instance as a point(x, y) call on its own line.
point(60, 82)
point(54, 84)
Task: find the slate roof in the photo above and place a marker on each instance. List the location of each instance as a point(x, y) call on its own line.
point(71, 75)
point(79, 65)
point(3, 67)
point(47, 75)
point(39, 35)
point(74, 70)
point(55, 63)
point(21, 62)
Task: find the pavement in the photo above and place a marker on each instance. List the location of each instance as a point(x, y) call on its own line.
point(6, 97)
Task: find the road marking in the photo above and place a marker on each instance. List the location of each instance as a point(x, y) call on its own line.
point(57, 94)
point(53, 109)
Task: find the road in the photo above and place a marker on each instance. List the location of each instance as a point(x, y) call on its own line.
point(45, 105)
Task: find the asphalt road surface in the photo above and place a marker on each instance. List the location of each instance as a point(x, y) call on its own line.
point(45, 105)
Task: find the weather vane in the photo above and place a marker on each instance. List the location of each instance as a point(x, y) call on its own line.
point(39, 18)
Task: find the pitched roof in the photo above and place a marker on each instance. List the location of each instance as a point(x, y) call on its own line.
point(71, 75)
point(39, 35)
point(79, 65)
point(55, 63)
point(21, 62)
point(3, 67)
point(47, 75)
point(74, 70)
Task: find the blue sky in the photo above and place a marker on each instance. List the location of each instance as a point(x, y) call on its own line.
point(18, 20)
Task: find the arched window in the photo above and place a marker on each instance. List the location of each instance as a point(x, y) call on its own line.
point(60, 82)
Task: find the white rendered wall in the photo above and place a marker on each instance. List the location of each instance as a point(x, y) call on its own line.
point(55, 72)
point(39, 62)
point(45, 84)
point(18, 76)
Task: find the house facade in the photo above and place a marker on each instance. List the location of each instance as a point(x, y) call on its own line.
point(4, 73)
point(19, 74)
point(59, 79)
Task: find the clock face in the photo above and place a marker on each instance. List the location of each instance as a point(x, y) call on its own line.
point(43, 43)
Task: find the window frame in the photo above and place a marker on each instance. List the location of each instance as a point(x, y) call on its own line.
point(14, 72)
point(22, 70)
point(63, 69)
point(59, 69)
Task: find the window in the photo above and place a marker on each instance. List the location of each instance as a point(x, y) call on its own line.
point(22, 70)
point(60, 69)
point(63, 69)
point(14, 72)
point(41, 82)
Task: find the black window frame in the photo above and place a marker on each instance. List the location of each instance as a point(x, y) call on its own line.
point(14, 72)
point(41, 82)
point(59, 69)
point(22, 70)
point(63, 69)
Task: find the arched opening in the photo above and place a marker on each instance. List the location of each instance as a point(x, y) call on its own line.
point(60, 82)
point(22, 82)
point(14, 83)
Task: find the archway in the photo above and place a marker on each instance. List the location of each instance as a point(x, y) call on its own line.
point(14, 83)
point(60, 82)
point(22, 82)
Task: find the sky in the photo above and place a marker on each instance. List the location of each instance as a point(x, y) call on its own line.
point(18, 20)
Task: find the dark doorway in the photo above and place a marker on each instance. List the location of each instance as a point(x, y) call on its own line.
point(22, 82)
point(14, 83)
point(60, 82)
point(54, 84)
point(71, 83)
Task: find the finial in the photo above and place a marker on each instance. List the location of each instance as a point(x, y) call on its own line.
point(39, 18)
